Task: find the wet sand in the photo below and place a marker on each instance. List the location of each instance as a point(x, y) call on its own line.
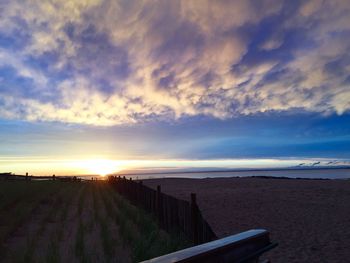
point(310, 219)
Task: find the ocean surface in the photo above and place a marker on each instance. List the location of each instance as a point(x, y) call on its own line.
point(307, 174)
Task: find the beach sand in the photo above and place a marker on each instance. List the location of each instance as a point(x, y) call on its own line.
point(310, 219)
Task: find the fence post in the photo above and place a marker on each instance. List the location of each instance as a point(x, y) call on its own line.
point(159, 205)
point(194, 218)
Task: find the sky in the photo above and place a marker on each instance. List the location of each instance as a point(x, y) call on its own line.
point(173, 84)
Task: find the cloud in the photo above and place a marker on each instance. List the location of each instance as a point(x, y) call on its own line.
point(271, 44)
point(113, 62)
point(12, 60)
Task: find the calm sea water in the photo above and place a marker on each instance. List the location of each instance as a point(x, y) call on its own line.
point(314, 173)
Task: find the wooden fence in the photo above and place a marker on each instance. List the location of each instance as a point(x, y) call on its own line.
point(171, 213)
point(27, 177)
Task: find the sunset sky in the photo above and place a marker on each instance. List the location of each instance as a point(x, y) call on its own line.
point(173, 84)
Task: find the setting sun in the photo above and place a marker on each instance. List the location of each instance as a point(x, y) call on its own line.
point(99, 166)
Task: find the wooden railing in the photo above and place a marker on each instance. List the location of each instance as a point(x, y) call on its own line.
point(171, 213)
point(245, 247)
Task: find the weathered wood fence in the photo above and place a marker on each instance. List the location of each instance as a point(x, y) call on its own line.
point(27, 177)
point(172, 213)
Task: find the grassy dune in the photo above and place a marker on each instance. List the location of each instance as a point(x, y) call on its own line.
point(52, 221)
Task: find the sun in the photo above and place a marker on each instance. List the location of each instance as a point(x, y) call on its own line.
point(101, 167)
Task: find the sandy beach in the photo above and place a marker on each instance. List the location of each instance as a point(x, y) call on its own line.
point(310, 219)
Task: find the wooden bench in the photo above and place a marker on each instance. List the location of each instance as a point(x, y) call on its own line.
point(245, 247)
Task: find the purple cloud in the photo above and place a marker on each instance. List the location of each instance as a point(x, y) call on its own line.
point(114, 62)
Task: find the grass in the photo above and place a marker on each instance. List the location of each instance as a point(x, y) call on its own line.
point(26, 198)
point(52, 205)
point(52, 255)
point(107, 240)
point(84, 222)
point(139, 230)
point(67, 203)
point(79, 242)
point(82, 200)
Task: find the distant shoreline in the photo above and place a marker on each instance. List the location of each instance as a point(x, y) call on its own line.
point(238, 170)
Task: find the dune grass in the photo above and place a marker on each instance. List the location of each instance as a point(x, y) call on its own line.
point(18, 203)
point(139, 229)
point(41, 222)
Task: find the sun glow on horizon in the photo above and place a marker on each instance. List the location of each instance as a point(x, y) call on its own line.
point(101, 167)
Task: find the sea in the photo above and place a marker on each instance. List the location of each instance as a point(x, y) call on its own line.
point(288, 173)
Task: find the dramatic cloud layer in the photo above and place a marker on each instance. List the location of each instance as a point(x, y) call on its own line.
point(107, 62)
